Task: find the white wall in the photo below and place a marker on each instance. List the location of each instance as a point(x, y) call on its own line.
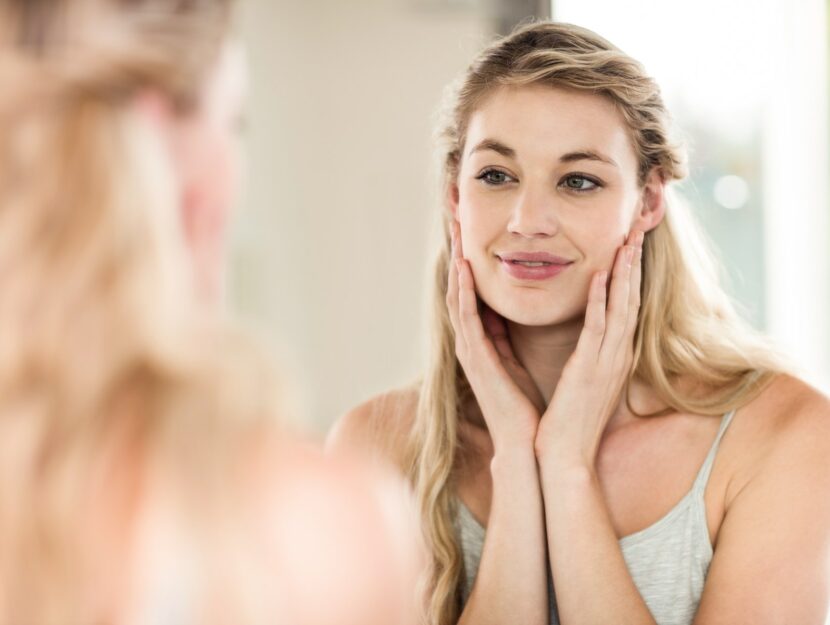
point(330, 250)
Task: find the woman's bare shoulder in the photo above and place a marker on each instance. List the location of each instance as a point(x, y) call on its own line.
point(786, 425)
point(345, 529)
point(773, 539)
point(789, 406)
point(379, 427)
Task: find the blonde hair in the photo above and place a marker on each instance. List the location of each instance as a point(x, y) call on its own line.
point(687, 331)
point(106, 375)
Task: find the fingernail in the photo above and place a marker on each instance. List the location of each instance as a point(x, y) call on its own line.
point(629, 254)
point(640, 238)
point(603, 278)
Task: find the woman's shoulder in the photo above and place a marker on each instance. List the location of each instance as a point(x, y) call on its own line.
point(346, 531)
point(789, 406)
point(379, 427)
point(785, 429)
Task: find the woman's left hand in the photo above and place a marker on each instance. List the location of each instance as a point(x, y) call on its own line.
point(592, 381)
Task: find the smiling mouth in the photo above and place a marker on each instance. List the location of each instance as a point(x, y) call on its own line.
point(529, 263)
point(533, 265)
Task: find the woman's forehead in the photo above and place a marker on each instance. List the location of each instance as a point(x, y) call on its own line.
point(544, 121)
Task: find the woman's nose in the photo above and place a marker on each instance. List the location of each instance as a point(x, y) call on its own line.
point(533, 215)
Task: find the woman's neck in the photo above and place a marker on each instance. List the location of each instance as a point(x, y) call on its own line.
point(544, 351)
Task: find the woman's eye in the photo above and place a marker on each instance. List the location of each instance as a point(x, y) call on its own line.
point(577, 182)
point(494, 177)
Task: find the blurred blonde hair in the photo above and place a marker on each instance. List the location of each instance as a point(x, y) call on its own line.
point(687, 331)
point(107, 376)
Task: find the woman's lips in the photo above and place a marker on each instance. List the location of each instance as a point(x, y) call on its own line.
point(532, 265)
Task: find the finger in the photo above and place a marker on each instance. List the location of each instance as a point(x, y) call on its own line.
point(496, 329)
point(634, 292)
point(493, 322)
point(593, 330)
point(455, 241)
point(452, 282)
point(618, 302)
point(456, 227)
point(469, 319)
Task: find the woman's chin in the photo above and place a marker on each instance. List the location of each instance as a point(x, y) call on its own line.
point(535, 315)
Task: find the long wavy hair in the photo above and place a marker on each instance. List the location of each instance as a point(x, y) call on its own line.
point(106, 374)
point(687, 328)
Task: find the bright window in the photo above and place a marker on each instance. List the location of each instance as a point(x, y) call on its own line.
point(746, 81)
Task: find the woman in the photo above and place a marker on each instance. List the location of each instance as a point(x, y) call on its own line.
point(592, 399)
point(144, 476)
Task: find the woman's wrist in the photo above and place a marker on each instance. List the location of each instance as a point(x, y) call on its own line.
point(516, 433)
point(565, 446)
point(564, 455)
point(513, 446)
point(560, 468)
point(510, 461)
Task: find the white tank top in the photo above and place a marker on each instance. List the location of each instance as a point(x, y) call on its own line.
point(668, 560)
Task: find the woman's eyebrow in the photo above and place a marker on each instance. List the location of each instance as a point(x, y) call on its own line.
point(587, 155)
point(496, 146)
point(570, 157)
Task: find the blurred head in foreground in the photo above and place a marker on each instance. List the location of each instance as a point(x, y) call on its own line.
point(143, 476)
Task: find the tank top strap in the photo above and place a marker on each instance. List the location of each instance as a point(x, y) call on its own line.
point(703, 475)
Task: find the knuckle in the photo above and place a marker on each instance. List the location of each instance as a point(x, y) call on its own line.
point(595, 323)
point(596, 330)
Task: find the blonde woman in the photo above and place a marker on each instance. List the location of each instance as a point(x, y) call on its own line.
point(598, 438)
point(144, 477)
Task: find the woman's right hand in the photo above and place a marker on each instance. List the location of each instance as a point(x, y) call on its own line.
point(508, 397)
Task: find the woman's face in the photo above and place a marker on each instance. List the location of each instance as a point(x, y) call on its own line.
point(208, 156)
point(547, 191)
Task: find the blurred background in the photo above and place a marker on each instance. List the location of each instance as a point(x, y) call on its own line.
point(331, 242)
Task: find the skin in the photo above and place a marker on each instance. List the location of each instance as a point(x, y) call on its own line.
point(551, 457)
point(210, 167)
point(532, 202)
point(204, 147)
point(526, 202)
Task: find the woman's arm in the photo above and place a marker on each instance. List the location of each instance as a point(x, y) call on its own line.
point(772, 559)
point(592, 582)
point(511, 583)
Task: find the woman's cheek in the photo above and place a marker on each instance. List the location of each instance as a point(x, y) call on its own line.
point(221, 173)
point(483, 219)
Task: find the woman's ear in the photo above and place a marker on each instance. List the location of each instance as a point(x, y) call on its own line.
point(452, 198)
point(652, 206)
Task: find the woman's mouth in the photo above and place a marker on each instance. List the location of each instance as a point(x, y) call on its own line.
point(532, 265)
